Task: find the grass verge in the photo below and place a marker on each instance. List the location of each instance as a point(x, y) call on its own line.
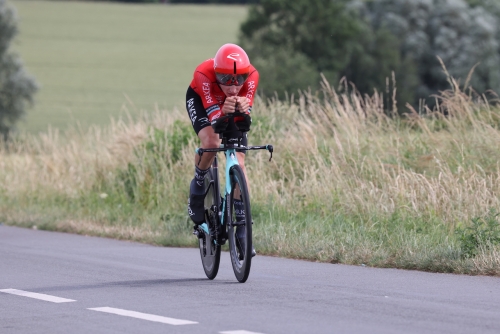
point(348, 183)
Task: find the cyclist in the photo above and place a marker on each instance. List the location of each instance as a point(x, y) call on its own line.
point(220, 86)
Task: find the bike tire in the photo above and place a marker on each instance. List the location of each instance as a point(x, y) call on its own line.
point(210, 250)
point(241, 267)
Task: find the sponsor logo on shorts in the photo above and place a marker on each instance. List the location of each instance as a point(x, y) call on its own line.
point(190, 212)
point(204, 121)
point(191, 110)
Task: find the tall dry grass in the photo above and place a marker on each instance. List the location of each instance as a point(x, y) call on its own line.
point(349, 181)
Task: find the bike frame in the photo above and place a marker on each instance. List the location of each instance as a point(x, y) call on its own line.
point(231, 160)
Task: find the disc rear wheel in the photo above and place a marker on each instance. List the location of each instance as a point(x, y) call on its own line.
point(207, 236)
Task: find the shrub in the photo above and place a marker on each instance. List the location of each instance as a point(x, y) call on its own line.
point(462, 36)
point(292, 41)
point(484, 232)
point(16, 86)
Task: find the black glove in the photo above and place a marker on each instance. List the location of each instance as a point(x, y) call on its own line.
point(220, 124)
point(243, 122)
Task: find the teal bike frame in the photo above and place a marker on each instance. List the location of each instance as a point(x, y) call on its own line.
point(231, 160)
point(221, 221)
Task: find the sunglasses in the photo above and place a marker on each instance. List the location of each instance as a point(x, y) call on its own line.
point(231, 79)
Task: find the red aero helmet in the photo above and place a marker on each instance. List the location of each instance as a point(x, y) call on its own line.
point(231, 65)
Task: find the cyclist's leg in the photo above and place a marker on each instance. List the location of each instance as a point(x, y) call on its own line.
point(209, 139)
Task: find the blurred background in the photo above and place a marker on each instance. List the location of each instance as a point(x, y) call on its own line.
point(350, 181)
point(86, 61)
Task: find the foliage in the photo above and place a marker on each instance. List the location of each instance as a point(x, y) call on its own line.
point(462, 36)
point(191, 1)
point(377, 65)
point(141, 178)
point(214, 1)
point(292, 41)
point(283, 70)
point(484, 232)
point(178, 139)
point(16, 86)
point(136, 1)
point(366, 41)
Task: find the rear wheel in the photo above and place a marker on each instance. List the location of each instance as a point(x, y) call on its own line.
point(241, 252)
point(207, 235)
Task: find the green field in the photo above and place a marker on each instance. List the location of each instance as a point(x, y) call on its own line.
point(94, 60)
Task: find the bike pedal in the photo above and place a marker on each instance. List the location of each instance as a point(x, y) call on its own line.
point(198, 234)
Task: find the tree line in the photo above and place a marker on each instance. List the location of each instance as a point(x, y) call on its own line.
point(17, 87)
point(374, 45)
point(228, 2)
point(371, 44)
point(365, 42)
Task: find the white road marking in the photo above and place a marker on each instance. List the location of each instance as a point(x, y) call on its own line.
point(35, 295)
point(143, 316)
point(239, 332)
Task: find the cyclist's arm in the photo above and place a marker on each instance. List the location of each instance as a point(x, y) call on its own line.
point(210, 103)
point(248, 91)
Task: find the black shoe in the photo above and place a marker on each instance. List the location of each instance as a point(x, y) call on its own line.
point(240, 242)
point(196, 209)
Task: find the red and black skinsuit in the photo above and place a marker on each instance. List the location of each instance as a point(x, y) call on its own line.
point(204, 97)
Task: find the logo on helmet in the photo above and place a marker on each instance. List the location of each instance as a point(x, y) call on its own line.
point(230, 56)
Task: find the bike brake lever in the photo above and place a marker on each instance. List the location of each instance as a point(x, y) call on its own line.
point(270, 149)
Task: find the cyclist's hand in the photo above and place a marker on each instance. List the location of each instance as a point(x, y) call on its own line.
point(220, 124)
point(243, 104)
point(229, 105)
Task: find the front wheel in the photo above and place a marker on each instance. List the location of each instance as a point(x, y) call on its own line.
point(239, 225)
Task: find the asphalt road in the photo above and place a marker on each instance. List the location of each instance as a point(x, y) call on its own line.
point(62, 283)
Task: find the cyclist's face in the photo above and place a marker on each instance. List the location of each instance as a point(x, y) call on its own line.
point(231, 90)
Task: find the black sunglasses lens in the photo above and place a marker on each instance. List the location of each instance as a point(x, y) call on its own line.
point(230, 79)
point(223, 78)
point(241, 78)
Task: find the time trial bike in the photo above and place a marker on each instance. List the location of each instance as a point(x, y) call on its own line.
point(220, 214)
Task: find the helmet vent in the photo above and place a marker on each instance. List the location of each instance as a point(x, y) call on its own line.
point(234, 67)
